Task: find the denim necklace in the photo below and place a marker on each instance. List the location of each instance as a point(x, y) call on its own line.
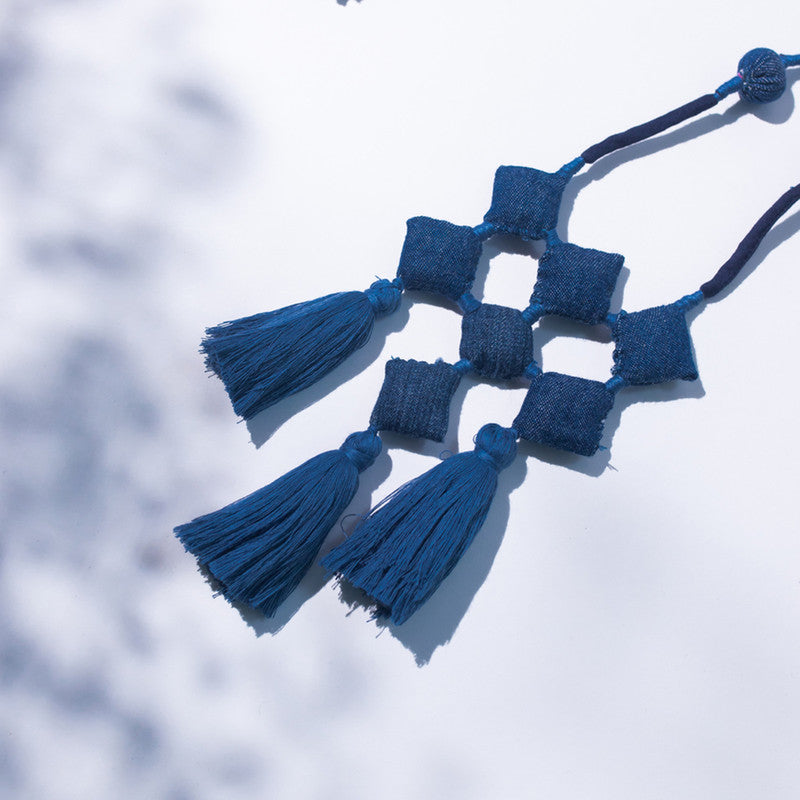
point(258, 548)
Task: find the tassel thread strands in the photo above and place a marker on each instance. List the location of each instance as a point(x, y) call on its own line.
point(259, 547)
point(266, 357)
point(409, 543)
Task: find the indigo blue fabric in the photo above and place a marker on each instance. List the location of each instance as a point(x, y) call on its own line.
point(439, 257)
point(576, 282)
point(410, 542)
point(564, 411)
point(763, 75)
point(266, 357)
point(259, 547)
point(384, 296)
point(497, 341)
point(647, 129)
point(653, 346)
point(415, 398)
point(731, 268)
point(526, 201)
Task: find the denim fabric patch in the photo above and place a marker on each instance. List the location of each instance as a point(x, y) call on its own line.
point(576, 282)
point(525, 201)
point(439, 257)
point(415, 398)
point(653, 346)
point(566, 412)
point(497, 341)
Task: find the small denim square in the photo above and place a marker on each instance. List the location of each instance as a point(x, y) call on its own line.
point(415, 398)
point(653, 346)
point(576, 282)
point(439, 257)
point(526, 201)
point(566, 412)
point(497, 341)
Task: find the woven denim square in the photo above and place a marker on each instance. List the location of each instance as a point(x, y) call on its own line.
point(576, 282)
point(415, 398)
point(566, 412)
point(525, 201)
point(439, 257)
point(653, 346)
point(497, 341)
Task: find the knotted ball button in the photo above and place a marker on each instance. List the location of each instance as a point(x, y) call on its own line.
point(763, 75)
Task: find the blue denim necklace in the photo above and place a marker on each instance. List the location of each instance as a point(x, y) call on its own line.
point(258, 548)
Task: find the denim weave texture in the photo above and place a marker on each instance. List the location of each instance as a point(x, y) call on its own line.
point(565, 411)
point(576, 282)
point(653, 346)
point(439, 257)
point(415, 398)
point(525, 201)
point(497, 341)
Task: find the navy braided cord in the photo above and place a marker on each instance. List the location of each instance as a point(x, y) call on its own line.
point(731, 268)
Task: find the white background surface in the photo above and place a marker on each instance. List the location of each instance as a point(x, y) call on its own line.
point(624, 627)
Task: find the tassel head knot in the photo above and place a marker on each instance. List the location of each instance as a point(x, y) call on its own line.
point(497, 445)
point(384, 296)
point(362, 448)
point(763, 74)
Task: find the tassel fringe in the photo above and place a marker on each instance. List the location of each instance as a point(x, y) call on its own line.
point(409, 543)
point(271, 355)
point(259, 547)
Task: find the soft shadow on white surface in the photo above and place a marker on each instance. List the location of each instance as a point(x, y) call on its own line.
point(788, 227)
point(435, 623)
point(97, 163)
point(775, 113)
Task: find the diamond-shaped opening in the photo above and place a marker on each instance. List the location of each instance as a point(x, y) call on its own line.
point(573, 348)
point(507, 270)
point(415, 340)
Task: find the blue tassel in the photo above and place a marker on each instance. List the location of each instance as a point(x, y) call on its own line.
point(259, 547)
point(409, 543)
point(268, 356)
